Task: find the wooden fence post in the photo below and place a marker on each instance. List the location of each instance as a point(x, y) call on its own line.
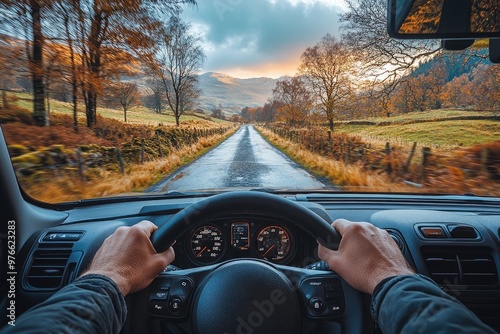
point(142, 151)
point(388, 152)
point(341, 149)
point(120, 160)
point(348, 152)
point(485, 160)
point(5, 103)
point(412, 153)
point(426, 152)
point(160, 151)
point(80, 162)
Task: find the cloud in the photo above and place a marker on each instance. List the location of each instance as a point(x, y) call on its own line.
point(261, 37)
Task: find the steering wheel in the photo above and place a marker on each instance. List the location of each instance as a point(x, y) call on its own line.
point(249, 295)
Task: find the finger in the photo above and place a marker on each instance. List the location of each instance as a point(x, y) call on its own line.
point(328, 255)
point(146, 226)
point(341, 225)
point(166, 258)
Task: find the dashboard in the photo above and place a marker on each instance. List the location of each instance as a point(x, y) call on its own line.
point(455, 240)
point(237, 236)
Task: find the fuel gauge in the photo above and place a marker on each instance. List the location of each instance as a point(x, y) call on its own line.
point(240, 236)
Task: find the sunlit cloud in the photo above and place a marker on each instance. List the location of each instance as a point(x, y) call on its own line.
point(261, 37)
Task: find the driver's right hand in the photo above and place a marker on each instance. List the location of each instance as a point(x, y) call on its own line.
point(366, 255)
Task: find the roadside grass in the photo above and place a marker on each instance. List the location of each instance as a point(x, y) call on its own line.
point(105, 183)
point(136, 115)
point(347, 177)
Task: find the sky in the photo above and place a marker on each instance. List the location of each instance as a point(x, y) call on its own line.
point(260, 38)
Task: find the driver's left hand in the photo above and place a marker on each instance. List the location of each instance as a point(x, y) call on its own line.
point(129, 258)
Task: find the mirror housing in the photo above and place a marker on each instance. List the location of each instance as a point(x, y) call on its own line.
point(443, 19)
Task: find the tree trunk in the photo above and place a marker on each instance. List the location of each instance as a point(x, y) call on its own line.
point(74, 80)
point(330, 120)
point(74, 98)
point(90, 108)
point(37, 65)
point(125, 113)
point(94, 64)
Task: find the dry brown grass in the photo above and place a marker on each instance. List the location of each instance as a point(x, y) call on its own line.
point(348, 177)
point(104, 183)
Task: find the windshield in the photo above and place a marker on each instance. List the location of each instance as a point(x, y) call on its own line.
point(113, 98)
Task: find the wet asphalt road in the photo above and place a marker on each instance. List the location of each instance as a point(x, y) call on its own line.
point(244, 160)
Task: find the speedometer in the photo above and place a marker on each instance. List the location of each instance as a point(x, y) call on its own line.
point(207, 244)
point(273, 243)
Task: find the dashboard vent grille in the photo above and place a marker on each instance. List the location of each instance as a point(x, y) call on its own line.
point(48, 267)
point(454, 266)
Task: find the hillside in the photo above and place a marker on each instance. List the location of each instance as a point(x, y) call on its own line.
point(233, 94)
point(454, 63)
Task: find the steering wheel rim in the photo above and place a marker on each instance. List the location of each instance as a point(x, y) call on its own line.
point(258, 272)
point(164, 237)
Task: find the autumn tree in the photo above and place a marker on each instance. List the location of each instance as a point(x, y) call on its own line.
point(327, 67)
point(69, 24)
point(176, 64)
point(383, 59)
point(270, 110)
point(105, 27)
point(252, 114)
point(295, 100)
point(217, 113)
point(155, 100)
point(127, 95)
point(484, 85)
point(12, 60)
point(457, 92)
point(26, 15)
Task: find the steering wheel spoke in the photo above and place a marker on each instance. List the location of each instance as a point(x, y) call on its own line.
point(171, 292)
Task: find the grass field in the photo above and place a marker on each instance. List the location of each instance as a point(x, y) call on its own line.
point(439, 133)
point(136, 115)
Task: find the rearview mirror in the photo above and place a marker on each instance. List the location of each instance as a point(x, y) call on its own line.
point(444, 19)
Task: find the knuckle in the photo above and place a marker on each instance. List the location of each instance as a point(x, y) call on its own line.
point(121, 229)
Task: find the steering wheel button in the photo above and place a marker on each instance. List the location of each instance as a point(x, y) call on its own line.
point(316, 305)
point(161, 295)
point(157, 308)
point(335, 309)
point(175, 304)
point(185, 283)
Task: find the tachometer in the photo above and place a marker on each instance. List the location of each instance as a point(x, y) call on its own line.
point(207, 244)
point(273, 243)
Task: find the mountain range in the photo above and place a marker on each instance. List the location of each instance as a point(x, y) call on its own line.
point(233, 94)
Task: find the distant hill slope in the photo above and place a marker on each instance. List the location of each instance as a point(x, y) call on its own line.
point(233, 94)
point(455, 63)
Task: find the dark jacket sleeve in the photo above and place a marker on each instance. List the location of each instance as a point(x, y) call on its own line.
point(415, 304)
point(91, 304)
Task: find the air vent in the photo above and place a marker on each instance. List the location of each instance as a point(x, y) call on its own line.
point(48, 266)
point(464, 266)
point(462, 232)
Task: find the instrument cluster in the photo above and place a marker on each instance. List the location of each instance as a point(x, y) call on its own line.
point(221, 239)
